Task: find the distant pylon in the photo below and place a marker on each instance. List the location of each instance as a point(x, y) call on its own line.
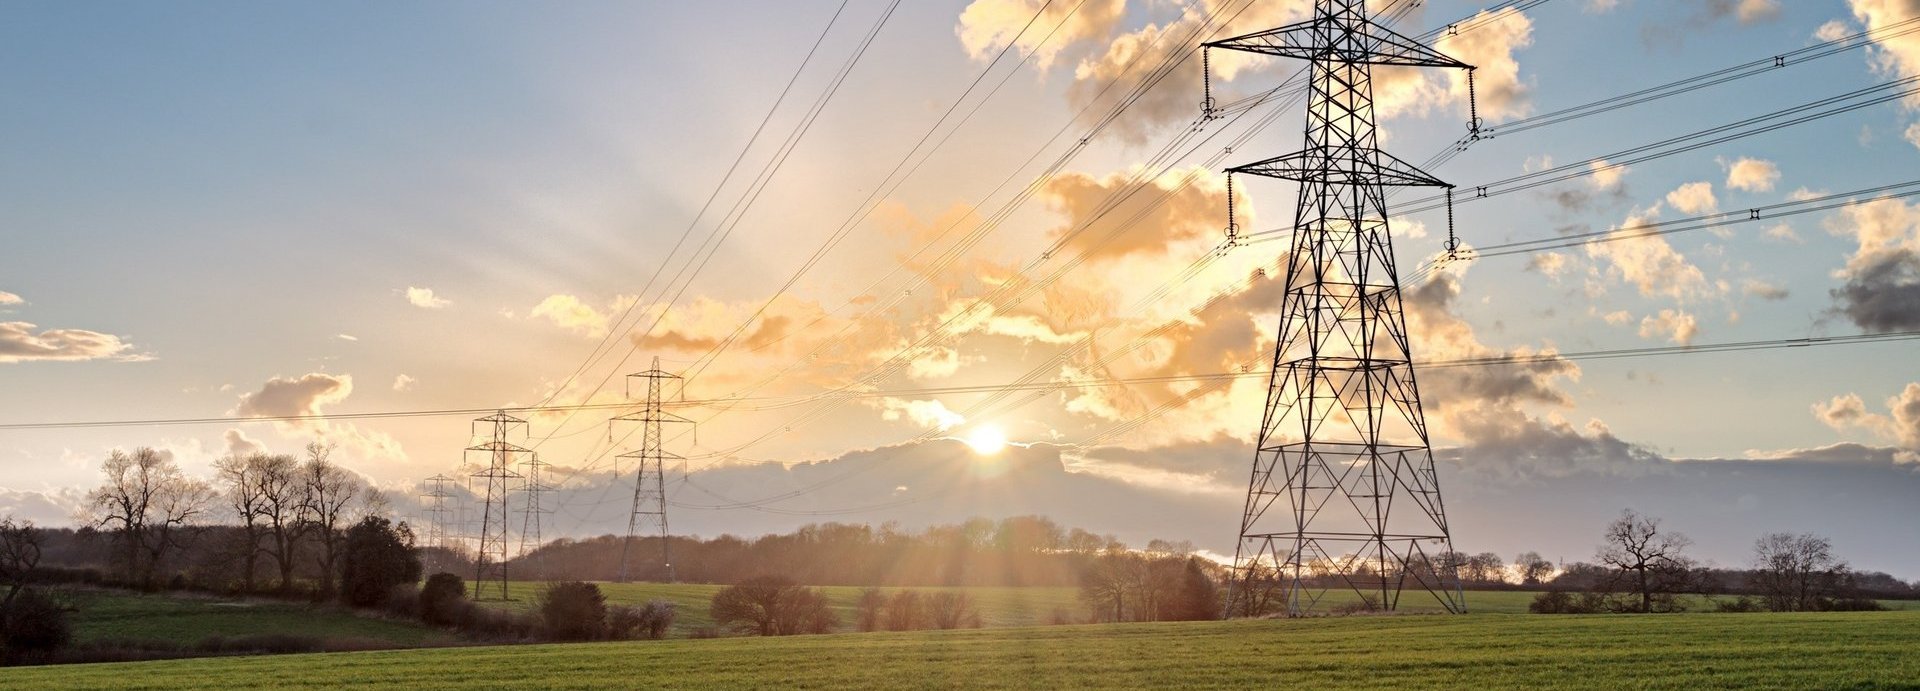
point(531, 510)
point(438, 514)
point(1343, 446)
point(490, 560)
point(650, 473)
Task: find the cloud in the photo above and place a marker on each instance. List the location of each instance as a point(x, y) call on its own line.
point(1833, 30)
point(568, 312)
point(425, 299)
point(1599, 6)
point(10, 299)
point(1674, 325)
point(1754, 287)
point(1693, 198)
point(346, 337)
point(1881, 281)
point(1751, 174)
point(987, 25)
point(1605, 175)
point(403, 383)
point(1898, 52)
point(19, 343)
point(1781, 233)
point(1194, 207)
point(1649, 262)
point(1900, 424)
point(1550, 264)
point(303, 396)
point(239, 444)
point(924, 413)
point(1747, 11)
point(1517, 446)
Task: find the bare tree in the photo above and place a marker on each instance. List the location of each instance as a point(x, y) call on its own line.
point(19, 555)
point(146, 501)
point(1648, 561)
point(328, 491)
point(282, 494)
point(1533, 568)
point(1796, 573)
point(238, 478)
point(1485, 567)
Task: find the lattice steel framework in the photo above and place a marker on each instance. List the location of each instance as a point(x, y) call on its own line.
point(438, 514)
point(650, 472)
point(1343, 494)
point(497, 473)
point(531, 511)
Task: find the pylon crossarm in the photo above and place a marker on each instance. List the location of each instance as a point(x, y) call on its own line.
point(1346, 39)
point(1371, 167)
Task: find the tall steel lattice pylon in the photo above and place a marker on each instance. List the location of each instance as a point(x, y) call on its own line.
point(1343, 494)
point(490, 559)
point(650, 473)
point(531, 511)
point(437, 518)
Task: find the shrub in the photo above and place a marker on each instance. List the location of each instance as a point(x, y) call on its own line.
point(773, 606)
point(443, 599)
point(867, 611)
point(704, 632)
point(33, 626)
point(1562, 602)
point(378, 555)
point(904, 611)
point(951, 610)
point(1061, 617)
point(403, 601)
point(1853, 604)
point(573, 611)
point(651, 620)
point(1738, 604)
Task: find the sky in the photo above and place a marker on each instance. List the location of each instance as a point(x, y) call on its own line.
point(235, 210)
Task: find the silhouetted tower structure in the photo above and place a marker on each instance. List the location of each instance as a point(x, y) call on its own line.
point(439, 516)
point(531, 510)
point(490, 560)
point(650, 472)
point(1343, 494)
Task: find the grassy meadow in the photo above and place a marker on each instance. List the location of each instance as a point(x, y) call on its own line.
point(104, 615)
point(1816, 650)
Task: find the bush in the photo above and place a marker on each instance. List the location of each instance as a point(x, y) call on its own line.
point(33, 626)
point(1561, 602)
point(949, 609)
point(773, 606)
point(904, 612)
point(1740, 604)
point(443, 599)
point(378, 556)
point(651, 620)
point(868, 609)
point(573, 611)
point(1853, 604)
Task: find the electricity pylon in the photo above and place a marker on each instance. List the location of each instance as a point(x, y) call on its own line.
point(437, 515)
point(650, 473)
point(490, 561)
point(1343, 494)
point(531, 510)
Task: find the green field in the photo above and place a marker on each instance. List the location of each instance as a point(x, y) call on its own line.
point(999, 606)
point(112, 615)
point(1833, 650)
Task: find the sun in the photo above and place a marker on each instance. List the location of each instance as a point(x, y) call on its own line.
point(987, 440)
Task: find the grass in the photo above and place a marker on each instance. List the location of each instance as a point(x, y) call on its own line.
point(1824, 650)
point(999, 607)
point(184, 619)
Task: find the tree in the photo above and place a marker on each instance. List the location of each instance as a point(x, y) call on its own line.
point(327, 491)
point(146, 501)
point(1649, 562)
point(376, 556)
point(1199, 596)
point(236, 477)
point(1485, 567)
point(1796, 573)
point(19, 555)
point(35, 624)
point(277, 480)
point(443, 599)
point(868, 608)
point(772, 606)
point(1533, 568)
point(573, 611)
point(952, 609)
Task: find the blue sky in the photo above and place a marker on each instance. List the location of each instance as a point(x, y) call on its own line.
point(228, 189)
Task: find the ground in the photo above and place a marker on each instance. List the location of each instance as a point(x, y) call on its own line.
point(1826, 650)
point(107, 615)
